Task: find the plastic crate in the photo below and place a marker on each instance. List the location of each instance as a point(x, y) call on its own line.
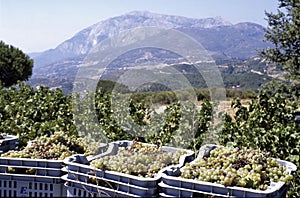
point(79, 171)
point(36, 167)
point(83, 189)
point(171, 191)
point(191, 188)
point(33, 177)
point(8, 143)
point(24, 177)
point(19, 186)
point(172, 185)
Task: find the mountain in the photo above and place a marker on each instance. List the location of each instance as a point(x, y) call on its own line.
point(83, 41)
point(240, 41)
point(219, 37)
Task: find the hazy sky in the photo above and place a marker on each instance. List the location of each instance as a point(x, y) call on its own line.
point(35, 25)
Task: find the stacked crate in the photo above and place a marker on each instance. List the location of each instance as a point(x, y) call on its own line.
point(21, 177)
point(84, 180)
point(172, 185)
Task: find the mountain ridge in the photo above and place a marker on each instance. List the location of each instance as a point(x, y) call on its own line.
point(220, 38)
point(85, 39)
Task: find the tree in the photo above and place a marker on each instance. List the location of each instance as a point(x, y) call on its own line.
point(284, 32)
point(14, 65)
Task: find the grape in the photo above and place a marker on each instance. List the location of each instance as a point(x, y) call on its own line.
point(57, 146)
point(242, 167)
point(138, 159)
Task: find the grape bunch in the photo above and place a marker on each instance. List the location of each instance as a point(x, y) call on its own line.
point(237, 167)
point(138, 159)
point(57, 146)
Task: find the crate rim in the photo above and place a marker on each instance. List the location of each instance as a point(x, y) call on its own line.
point(111, 146)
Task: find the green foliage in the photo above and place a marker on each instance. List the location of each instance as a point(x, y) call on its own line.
point(245, 81)
point(161, 97)
point(122, 118)
point(288, 90)
point(204, 121)
point(169, 97)
point(85, 119)
point(14, 65)
point(164, 131)
point(107, 119)
point(281, 134)
point(284, 32)
point(108, 86)
point(184, 126)
point(267, 123)
point(30, 113)
point(233, 93)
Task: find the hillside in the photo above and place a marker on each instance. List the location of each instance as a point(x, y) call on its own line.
point(221, 39)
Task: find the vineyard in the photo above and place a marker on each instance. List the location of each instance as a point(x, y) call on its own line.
point(266, 123)
point(157, 141)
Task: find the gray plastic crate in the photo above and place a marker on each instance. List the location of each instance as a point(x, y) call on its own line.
point(79, 170)
point(24, 166)
point(172, 185)
point(33, 177)
point(38, 167)
point(171, 191)
point(197, 188)
point(31, 186)
point(84, 189)
point(23, 177)
point(8, 143)
point(113, 186)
